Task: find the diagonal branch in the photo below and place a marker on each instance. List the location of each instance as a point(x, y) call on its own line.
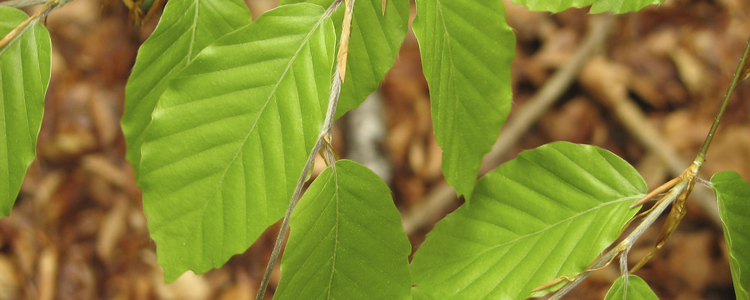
point(324, 138)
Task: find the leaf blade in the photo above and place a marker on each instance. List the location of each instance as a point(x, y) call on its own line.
point(533, 202)
point(470, 90)
point(21, 100)
point(636, 289)
point(231, 134)
point(375, 42)
point(185, 28)
point(733, 197)
point(346, 231)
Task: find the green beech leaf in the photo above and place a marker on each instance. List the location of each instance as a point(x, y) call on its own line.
point(546, 214)
point(466, 48)
point(231, 134)
point(374, 44)
point(597, 6)
point(733, 197)
point(185, 28)
point(24, 76)
point(636, 289)
point(346, 241)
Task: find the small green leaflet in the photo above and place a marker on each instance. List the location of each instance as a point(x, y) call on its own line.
point(546, 214)
point(24, 77)
point(346, 241)
point(733, 197)
point(231, 134)
point(637, 289)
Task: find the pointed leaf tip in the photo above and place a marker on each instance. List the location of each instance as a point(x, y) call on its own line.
point(470, 92)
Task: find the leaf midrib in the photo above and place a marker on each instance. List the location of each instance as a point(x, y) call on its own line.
point(260, 113)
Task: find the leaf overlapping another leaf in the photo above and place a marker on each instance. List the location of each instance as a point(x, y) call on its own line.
point(185, 28)
point(24, 77)
point(733, 196)
point(231, 134)
point(466, 49)
point(375, 41)
point(347, 241)
point(546, 214)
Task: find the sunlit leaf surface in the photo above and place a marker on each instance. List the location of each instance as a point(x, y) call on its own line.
point(185, 28)
point(24, 76)
point(346, 241)
point(546, 214)
point(466, 49)
point(231, 134)
point(733, 197)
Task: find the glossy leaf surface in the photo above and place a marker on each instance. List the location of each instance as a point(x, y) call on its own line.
point(466, 49)
point(373, 47)
point(546, 214)
point(346, 241)
point(24, 77)
point(636, 289)
point(185, 28)
point(231, 134)
point(733, 197)
point(597, 6)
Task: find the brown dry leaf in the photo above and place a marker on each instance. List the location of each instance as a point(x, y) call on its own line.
point(574, 122)
point(694, 248)
point(416, 156)
point(243, 288)
point(100, 166)
point(9, 285)
point(606, 80)
point(692, 72)
point(112, 228)
point(557, 49)
point(47, 273)
point(186, 287)
point(103, 117)
point(730, 150)
point(685, 130)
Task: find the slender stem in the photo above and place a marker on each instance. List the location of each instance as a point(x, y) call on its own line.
point(627, 243)
point(325, 131)
point(736, 79)
point(21, 3)
point(49, 6)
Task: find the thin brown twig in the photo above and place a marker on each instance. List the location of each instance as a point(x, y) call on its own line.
point(443, 195)
point(21, 3)
point(26, 24)
point(323, 138)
